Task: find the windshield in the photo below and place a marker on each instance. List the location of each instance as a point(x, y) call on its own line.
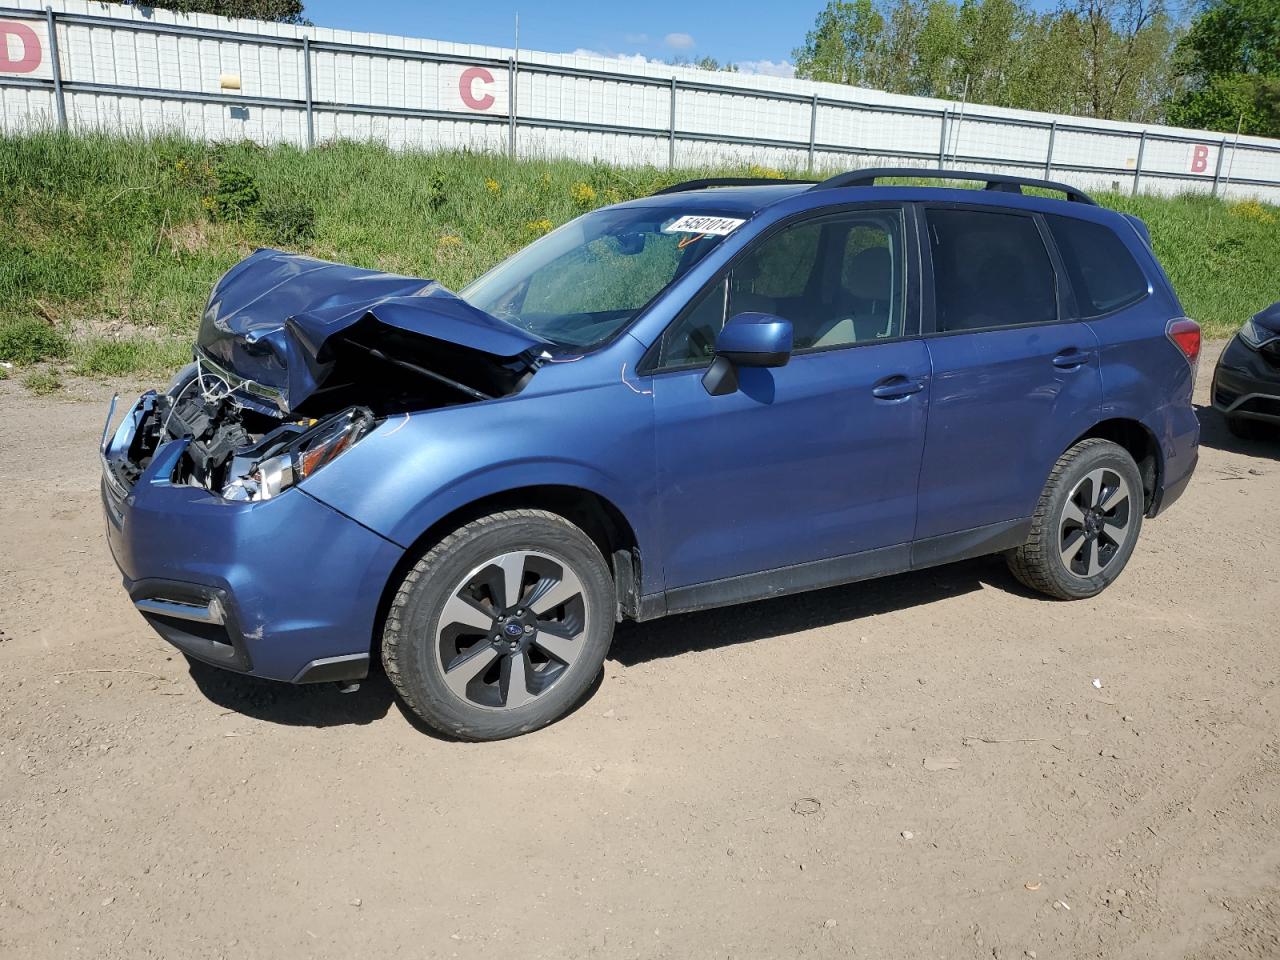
point(582, 283)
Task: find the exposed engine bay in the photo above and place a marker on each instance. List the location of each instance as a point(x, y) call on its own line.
point(242, 446)
point(297, 359)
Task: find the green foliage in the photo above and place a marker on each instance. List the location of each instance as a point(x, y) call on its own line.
point(97, 357)
point(704, 63)
point(279, 11)
point(235, 195)
point(1231, 60)
point(43, 382)
point(26, 340)
point(111, 235)
point(1100, 58)
point(289, 223)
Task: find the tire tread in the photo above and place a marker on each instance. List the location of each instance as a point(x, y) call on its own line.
point(394, 639)
point(1030, 563)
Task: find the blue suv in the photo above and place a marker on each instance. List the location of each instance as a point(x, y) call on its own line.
point(728, 391)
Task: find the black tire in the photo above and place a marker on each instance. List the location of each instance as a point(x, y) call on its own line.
point(417, 650)
point(1039, 563)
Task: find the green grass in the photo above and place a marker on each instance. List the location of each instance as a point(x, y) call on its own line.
point(43, 382)
point(109, 246)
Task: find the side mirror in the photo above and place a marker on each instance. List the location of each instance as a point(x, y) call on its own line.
point(747, 340)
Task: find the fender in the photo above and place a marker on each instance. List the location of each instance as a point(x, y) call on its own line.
point(418, 468)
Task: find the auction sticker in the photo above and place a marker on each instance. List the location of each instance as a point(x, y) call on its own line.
point(715, 226)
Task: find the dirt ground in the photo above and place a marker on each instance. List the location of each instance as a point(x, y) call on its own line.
point(918, 767)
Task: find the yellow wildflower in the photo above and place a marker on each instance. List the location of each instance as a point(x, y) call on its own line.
point(492, 185)
point(755, 170)
point(449, 240)
point(1253, 210)
point(583, 194)
point(539, 227)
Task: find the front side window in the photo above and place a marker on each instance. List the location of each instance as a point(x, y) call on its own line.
point(989, 270)
point(839, 280)
point(582, 283)
point(1103, 273)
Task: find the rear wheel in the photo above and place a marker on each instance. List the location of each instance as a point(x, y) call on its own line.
point(501, 627)
point(1086, 524)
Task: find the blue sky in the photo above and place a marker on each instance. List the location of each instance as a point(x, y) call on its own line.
point(758, 35)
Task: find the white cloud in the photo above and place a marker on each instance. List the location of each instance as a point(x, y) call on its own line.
point(678, 41)
point(635, 39)
point(638, 59)
point(767, 68)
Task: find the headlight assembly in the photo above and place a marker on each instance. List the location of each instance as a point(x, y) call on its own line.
point(301, 456)
point(1257, 336)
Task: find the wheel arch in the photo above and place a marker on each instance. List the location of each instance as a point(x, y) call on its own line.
point(597, 517)
point(1140, 443)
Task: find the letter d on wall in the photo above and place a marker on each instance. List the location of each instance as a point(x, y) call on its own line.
point(20, 50)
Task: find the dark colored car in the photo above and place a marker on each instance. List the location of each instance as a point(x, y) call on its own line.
point(1246, 383)
point(721, 393)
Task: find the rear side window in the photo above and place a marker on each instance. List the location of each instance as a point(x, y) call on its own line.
point(989, 270)
point(1103, 274)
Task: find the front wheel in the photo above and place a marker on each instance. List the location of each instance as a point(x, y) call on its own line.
point(1086, 524)
point(501, 627)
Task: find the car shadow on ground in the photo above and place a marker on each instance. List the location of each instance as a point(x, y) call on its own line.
point(307, 705)
point(316, 704)
point(1214, 433)
point(687, 633)
point(321, 705)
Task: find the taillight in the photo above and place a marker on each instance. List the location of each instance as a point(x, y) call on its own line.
point(1185, 335)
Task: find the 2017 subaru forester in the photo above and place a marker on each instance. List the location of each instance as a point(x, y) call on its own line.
point(727, 391)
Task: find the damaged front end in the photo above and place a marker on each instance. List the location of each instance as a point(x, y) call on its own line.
point(298, 359)
point(232, 449)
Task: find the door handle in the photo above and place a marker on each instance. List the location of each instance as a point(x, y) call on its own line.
point(1071, 359)
point(896, 387)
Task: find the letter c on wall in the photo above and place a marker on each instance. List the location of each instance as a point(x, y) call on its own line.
point(31, 52)
point(467, 88)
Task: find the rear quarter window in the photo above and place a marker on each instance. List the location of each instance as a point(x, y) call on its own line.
point(1102, 271)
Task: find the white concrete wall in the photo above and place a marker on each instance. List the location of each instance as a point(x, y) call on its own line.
point(125, 69)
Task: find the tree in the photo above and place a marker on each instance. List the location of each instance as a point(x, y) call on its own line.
point(704, 63)
point(276, 11)
point(1101, 58)
point(844, 45)
point(1230, 62)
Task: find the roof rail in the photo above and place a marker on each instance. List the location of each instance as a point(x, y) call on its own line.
point(709, 182)
point(994, 181)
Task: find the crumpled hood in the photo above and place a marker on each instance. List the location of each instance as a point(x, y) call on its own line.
point(270, 315)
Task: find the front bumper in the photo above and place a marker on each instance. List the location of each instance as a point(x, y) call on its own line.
point(1246, 384)
point(286, 589)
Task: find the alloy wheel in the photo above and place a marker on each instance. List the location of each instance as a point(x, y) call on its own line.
point(1096, 522)
point(511, 629)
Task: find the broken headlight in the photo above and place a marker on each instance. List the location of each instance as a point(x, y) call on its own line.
point(259, 476)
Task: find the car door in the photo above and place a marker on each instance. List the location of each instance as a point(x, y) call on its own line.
point(1015, 381)
point(807, 462)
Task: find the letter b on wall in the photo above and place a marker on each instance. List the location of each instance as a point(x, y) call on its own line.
point(1199, 158)
point(20, 50)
